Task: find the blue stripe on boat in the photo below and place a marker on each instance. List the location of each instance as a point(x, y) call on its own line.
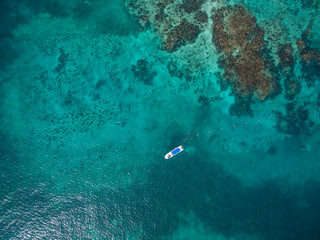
point(174, 152)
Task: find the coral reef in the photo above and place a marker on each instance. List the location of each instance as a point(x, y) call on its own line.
point(309, 57)
point(201, 17)
point(310, 4)
point(292, 87)
point(190, 6)
point(285, 53)
point(241, 107)
point(286, 65)
point(185, 32)
point(177, 24)
point(295, 122)
point(173, 70)
point(238, 37)
point(160, 16)
point(142, 71)
point(204, 100)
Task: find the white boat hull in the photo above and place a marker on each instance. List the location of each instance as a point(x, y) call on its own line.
point(174, 152)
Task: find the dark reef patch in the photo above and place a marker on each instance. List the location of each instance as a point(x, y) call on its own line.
point(62, 60)
point(241, 107)
point(204, 100)
point(166, 2)
point(14, 13)
point(8, 53)
point(10, 18)
point(309, 57)
point(182, 34)
point(223, 84)
point(160, 16)
point(177, 23)
point(292, 87)
point(201, 17)
point(190, 6)
point(69, 98)
point(100, 83)
point(272, 150)
point(248, 69)
point(310, 4)
point(174, 70)
point(142, 71)
point(285, 53)
point(286, 65)
point(295, 122)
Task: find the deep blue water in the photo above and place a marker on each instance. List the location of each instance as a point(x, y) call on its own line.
point(94, 94)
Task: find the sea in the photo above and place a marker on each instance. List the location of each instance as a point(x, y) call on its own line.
point(94, 94)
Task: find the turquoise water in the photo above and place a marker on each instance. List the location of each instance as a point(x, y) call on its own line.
point(94, 93)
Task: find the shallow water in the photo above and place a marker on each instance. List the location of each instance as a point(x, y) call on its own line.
point(94, 94)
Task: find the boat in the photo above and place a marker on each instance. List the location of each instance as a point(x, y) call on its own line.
point(174, 152)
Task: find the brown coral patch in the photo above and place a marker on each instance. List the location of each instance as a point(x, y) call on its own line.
point(309, 58)
point(308, 55)
point(182, 34)
point(285, 53)
point(240, 39)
